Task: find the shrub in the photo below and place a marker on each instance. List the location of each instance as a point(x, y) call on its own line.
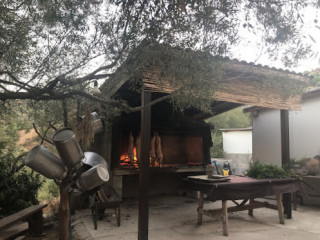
point(48, 190)
point(18, 189)
point(262, 170)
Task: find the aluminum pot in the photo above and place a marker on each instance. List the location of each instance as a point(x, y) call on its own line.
point(95, 115)
point(92, 159)
point(68, 148)
point(92, 178)
point(46, 163)
point(96, 123)
point(97, 126)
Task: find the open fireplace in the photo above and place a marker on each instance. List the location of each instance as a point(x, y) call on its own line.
point(168, 149)
point(179, 146)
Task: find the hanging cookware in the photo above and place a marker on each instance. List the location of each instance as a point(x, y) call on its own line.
point(92, 178)
point(92, 159)
point(46, 163)
point(68, 148)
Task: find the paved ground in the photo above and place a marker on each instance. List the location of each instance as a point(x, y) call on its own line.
point(174, 217)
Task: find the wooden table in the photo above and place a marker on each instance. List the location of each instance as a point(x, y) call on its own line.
point(239, 188)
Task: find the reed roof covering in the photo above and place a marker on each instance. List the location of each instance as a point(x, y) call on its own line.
point(165, 69)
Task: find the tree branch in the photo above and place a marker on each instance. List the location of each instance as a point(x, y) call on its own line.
point(40, 95)
point(91, 76)
point(11, 84)
point(43, 138)
point(53, 127)
point(65, 113)
point(152, 103)
point(15, 82)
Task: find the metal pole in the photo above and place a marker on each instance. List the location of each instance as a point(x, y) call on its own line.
point(144, 176)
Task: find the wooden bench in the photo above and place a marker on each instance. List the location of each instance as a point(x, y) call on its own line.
point(15, 224)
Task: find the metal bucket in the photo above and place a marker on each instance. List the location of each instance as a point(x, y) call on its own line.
point(95, 115)
point(97, 126)
point(92, 159)
point(96, 123)
point(68, 148)
point(46, 163)
point(92, 178)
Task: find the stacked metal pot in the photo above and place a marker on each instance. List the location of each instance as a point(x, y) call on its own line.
point(89, 169)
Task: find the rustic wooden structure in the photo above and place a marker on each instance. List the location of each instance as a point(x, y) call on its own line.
point(13, 225)
point(237, 82)
point(144, 73)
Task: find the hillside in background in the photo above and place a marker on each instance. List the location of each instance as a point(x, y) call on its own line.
point(231, 119)
point(315, 81)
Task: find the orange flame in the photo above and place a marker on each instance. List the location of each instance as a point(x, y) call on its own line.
point(125, 160)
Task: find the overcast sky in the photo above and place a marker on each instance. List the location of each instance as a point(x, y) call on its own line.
point(251, 50)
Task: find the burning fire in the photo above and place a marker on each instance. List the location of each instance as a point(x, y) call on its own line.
point(126, 161)
point(132, 156)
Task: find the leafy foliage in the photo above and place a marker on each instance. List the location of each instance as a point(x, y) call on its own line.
point(263, 170)
point(48, 47)
point(48, 190)
point(315, 81)
point(231, 119)
point(216, 150)
point(18, 189)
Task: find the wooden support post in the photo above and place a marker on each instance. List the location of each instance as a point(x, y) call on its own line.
point(64, 212)
point(200, 208)
point(144, 176)
point(285, 149)
point(285, 156)
point(225, 218)
point(280, 208)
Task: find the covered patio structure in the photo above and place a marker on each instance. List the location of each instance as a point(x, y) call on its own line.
point(153, 73)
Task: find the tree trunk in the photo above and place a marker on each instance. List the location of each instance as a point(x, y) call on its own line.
point(64, 216)
point(65, 113)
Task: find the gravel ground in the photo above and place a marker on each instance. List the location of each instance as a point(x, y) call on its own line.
point(175, 217)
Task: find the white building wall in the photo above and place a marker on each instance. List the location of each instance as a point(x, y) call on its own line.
point(237, 147)
point(304, 133)
point(239, 142)
point(266, 136)
point(304, 128)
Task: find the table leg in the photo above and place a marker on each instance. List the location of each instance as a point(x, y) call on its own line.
point(286, 200)
point(200, 208)
point(250, 212)
point(225, 218)
point(294, 198)
point(280, 208)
